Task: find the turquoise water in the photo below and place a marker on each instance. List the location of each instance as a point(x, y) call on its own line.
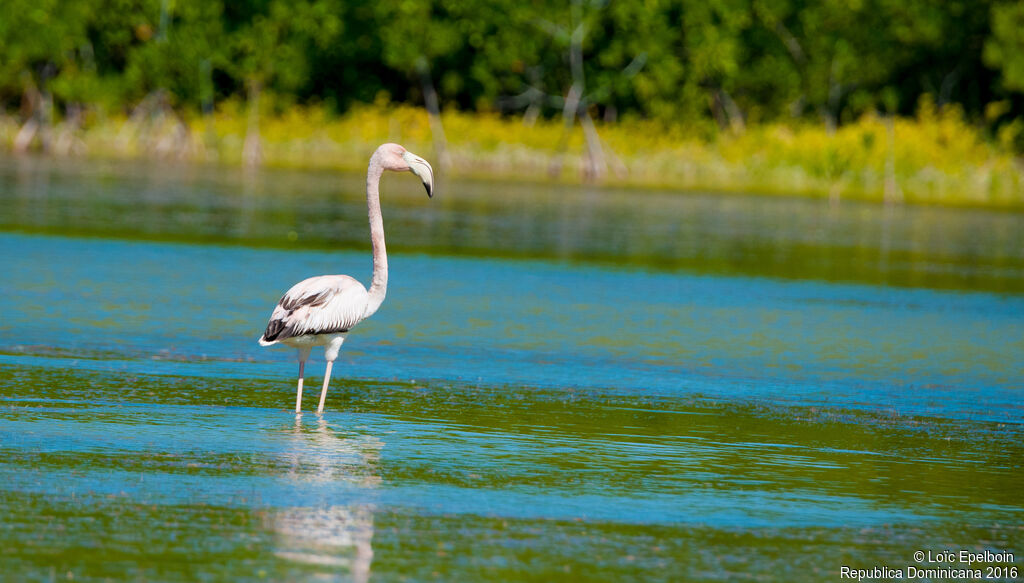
point(758, 402)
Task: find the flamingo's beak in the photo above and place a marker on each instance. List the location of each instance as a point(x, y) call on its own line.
point(421, 168)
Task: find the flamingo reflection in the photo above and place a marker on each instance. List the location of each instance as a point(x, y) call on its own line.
point(332, 535)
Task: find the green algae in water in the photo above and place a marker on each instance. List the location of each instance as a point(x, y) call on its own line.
point(565, 390)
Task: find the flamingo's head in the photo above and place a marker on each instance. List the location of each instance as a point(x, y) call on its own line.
point(398, 159)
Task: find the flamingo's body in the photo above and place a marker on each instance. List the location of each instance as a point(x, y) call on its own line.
point(320, 311)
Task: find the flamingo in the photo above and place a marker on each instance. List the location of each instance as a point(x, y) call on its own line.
point(321, 310)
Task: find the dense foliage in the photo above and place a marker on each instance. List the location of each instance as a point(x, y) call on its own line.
point(696, 61)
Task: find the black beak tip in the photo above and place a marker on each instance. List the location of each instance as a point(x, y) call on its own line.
point(430, 191)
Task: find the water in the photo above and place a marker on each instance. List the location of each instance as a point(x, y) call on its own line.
point(562, 384)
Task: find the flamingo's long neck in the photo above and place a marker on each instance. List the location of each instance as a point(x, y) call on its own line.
point(379, 284)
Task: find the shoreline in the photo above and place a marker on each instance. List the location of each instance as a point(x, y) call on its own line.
point(935, 158)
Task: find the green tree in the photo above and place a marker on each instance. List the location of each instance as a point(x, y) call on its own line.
point(270, 43)
point(43, 44)
point(1004, 50)
point(172, 42)
point(413, 36)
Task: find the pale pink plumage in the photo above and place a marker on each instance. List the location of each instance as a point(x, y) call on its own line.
point(326, 304)
point(320, 311)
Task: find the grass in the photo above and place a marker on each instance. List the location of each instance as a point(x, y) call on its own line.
point(935, 157)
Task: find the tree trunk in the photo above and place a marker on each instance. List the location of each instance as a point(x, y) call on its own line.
point(434, 115)
point(252, 150)
point(830, 111)
point(569, 111)
point(732, 112)
point(531, 115)
point(38, 125)
point(206, 99)
point(892, 193)
point(949, 83)
point(596, 166)
point(66, 141)
point(571, 107)
point(26, 135)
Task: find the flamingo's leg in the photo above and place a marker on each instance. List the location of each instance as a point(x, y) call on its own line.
point(330, 353)
point(323, 392)
point(303, 355)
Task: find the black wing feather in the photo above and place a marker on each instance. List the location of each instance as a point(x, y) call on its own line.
point(276, 327)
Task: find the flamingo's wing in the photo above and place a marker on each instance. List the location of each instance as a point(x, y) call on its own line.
point(328, 304)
